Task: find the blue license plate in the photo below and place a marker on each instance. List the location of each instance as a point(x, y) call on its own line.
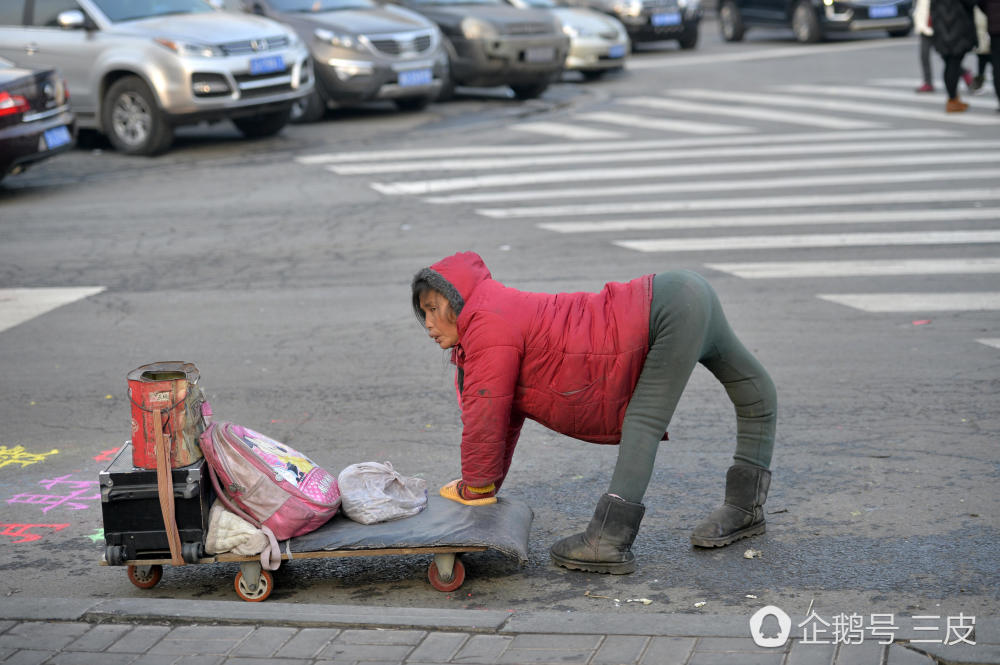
point(56, 137)
point(617, 51)
point(669, 18)
point(416, 77)
point(267, 65)
point(883, 11)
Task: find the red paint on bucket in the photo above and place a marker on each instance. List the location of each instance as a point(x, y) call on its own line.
point(170, 388)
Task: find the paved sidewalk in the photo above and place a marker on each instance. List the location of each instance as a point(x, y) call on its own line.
point(174, 632)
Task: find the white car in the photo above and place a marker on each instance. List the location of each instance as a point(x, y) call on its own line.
point(137, 69)
point(599, 43)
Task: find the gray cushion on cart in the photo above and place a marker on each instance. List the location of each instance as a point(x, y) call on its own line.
point(502, 526)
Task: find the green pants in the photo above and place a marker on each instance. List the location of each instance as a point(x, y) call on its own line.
point(686, 327)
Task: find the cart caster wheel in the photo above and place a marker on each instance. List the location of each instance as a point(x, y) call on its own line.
point(457, 577)
point(263, 590)
point(145, 577)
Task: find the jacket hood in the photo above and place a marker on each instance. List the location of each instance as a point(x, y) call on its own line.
point(455, 277)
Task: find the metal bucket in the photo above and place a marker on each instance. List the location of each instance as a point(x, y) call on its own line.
point(170, 388)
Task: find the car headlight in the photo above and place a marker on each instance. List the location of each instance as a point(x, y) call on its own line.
point(474, 28)
point(628, 7)
point(188, 49)
point(570, 30)
point(335, 38)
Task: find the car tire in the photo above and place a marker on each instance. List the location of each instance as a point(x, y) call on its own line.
point(689, 38)
point(265, 124)
point(805, 23)
point(530, 90)
point(310, 108)
point(412, 103)
point(731, 22)
point(132, 120)
point(906, 32)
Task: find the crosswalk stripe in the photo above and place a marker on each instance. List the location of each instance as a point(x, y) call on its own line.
point(811, 241)
point(687, 61)
point(994, 342)
point(865, 92)
point(616, 146)
point(661, 124)
point(810, 200)
point(771, 219)
point(848, 268)
point(866, 178)
point(680, 170)
point(566, 130)
point(841, 106)
point(813, 149)
point(22, 304)
point(769, 114)
point(917, 302)
point(910, 83)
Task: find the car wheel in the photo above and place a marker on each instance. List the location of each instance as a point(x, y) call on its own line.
point(132, 120)
point(731, 22)
point(265, 124)
point(901, 33)
point(689, 38)
point(529, 90)
point(412, 103)
point(310, 108)
point(805, 24)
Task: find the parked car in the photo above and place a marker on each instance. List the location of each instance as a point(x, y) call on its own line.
point(362, 51)
point(35, 117)
point(489, 43)
point(812, 20)
point(653, 20)
point(598, 43)
point(139, 68)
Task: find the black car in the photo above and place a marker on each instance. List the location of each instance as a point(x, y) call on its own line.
point(35, 117)
point(813, 20)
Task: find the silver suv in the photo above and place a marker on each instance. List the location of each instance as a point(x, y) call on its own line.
point(138, 68)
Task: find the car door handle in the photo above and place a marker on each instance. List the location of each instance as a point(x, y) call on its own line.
point(31, 49)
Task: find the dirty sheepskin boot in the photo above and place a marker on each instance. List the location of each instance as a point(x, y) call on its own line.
point(742, 514)
point(606, 545)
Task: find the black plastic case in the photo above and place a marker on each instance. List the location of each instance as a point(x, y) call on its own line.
point(130, 506)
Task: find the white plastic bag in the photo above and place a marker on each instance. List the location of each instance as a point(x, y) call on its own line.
point(373, 492)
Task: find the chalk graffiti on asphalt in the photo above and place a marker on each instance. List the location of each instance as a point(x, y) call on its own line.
point(107, 455)
point(22, 531)
point(18, 455)
point(83, 490)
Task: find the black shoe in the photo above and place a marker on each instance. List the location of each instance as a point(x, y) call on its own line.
point(742, 514)
point(606, 545)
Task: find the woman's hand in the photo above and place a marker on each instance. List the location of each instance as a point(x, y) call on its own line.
point(457, 490)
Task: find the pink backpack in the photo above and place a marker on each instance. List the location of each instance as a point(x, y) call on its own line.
point(269, 484)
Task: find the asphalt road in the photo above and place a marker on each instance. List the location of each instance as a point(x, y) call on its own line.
point(281, 267)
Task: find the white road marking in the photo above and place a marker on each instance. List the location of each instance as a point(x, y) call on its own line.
point(567, 130)
point(659, 144)
point(838, 105)
point(866, 92)
point(811, 241)
point(917, 302)
point(848, 268)
point(805, 200)
point(956, 156)
point(910, 83)
point(660, 124)
point(20, 305)
point(994, 342)
point(681, 60)
point(769, 114)
point(787, 219)
point(866, 178)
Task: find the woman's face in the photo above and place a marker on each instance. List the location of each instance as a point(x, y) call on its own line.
point(439, 320)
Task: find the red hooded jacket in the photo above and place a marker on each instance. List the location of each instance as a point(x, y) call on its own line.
point(569, 361)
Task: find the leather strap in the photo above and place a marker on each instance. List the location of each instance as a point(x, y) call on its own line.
point(165, 488)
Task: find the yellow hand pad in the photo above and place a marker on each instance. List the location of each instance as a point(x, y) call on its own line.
point(450, 491)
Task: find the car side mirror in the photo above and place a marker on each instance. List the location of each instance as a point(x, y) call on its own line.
point(72, 19)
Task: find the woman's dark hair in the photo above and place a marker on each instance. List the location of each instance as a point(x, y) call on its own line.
point(428, 280)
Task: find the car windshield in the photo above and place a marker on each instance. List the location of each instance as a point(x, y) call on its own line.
point(453, 2)
point(130, 10)
point(311, 6)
